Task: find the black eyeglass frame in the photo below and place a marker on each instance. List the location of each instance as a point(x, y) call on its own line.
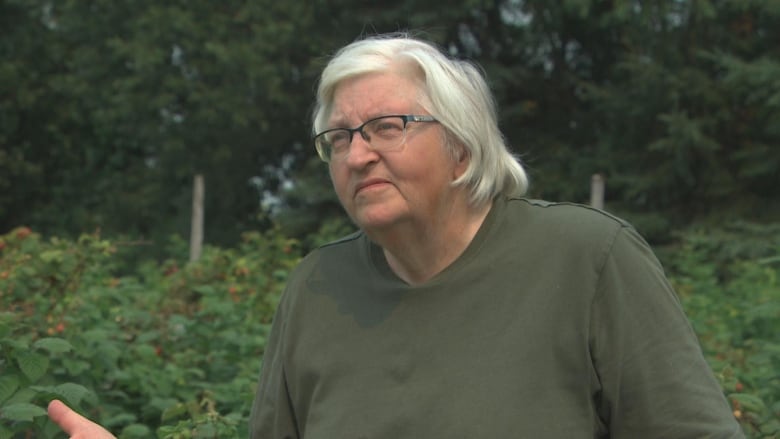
point(359, 129)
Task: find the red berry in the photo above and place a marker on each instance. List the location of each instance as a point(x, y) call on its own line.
point(23, 232)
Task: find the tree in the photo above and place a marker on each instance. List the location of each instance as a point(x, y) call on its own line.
point(659, 96)
point(108, 108)
point(125, 101)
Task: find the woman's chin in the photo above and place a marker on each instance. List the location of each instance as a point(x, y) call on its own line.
point(376, 219)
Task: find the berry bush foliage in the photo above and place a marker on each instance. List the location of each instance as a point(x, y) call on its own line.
point(728, 280)
point(172, 349)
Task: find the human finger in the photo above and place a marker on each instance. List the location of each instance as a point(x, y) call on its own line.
point(75, 425)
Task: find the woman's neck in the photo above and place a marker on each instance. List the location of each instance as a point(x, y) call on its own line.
point(417, 254)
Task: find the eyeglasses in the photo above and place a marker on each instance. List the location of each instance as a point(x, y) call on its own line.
point(383, 133)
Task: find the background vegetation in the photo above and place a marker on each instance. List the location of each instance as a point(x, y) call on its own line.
point(174, 349)
point(108, 108)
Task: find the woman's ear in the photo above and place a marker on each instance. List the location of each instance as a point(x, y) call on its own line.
point(459, 153)
point(462, 159)
point(463, 154)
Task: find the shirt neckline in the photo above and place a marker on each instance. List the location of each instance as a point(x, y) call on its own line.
point(377, 259)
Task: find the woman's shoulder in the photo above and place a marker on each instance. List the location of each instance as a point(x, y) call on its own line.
point(562, 213)
point(345, 240)
point(570, 224)
point(340, 249)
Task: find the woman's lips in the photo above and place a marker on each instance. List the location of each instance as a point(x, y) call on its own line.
point(370, 184)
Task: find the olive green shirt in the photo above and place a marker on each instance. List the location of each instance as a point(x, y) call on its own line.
point(557, 321)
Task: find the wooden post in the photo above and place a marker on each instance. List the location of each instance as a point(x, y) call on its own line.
point(196, 228)
point(597, 191)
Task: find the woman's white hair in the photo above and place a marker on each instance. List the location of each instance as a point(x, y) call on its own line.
point(453, 91)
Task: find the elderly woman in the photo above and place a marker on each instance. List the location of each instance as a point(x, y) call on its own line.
point(459, 308)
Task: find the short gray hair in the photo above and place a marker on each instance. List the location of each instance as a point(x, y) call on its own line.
point(453, 91)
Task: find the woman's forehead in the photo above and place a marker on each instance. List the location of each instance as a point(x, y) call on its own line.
point(369, 96)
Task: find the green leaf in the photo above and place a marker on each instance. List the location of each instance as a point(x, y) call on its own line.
point(16, 343)
point(22, 394)
point(21, 412)
point(75, 367)
point(118, 419)
point(32, 365)
point(135, 431)
point(54, 345)
point(8, 386)
point(749, 402)
point(51, 255)
point(174, 412)
point(206, 290)
point(206, 431)
point(72, 393)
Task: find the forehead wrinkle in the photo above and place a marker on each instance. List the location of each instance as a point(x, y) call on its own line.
point(353, 105)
